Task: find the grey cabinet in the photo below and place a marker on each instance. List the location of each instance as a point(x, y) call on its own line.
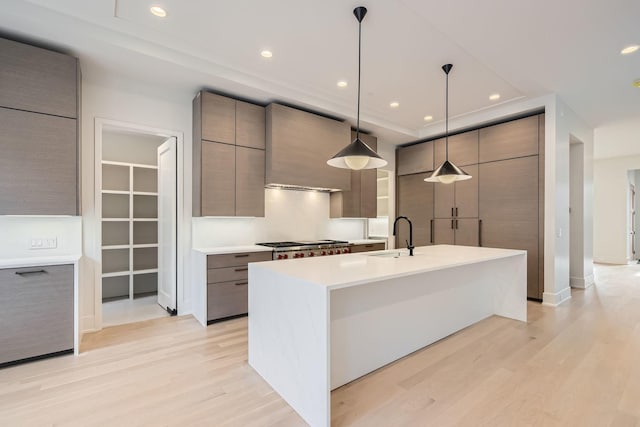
point(227, 283)
point(37, 311)
point(459, 199)
point(298, 147)
point(463, 149)
point(368, 247)
point(509, 213)
point(38, 80)
point(415, 201)
point(415, 158)
point(509, 140)
point(39, 164)
point(361, 200)
point(456, 231)
point(228, 157)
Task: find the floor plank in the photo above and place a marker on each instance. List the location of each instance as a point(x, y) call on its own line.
point(574, 365)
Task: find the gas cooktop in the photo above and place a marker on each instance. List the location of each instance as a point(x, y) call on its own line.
point(302, 243)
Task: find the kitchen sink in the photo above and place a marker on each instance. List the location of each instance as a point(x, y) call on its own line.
point(391, 254)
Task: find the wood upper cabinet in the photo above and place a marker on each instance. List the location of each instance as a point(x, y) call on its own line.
point(508, 209)
point(38, 165)
point(298, 147)
point(361, 200)
point(415, 201)
point(509, 140)
point(416, 158)
point(218, 179)
point(250, 125)
point(228, 157)
point(463, 149)
point(38, 80)
point(249, 182)
point(218, 118)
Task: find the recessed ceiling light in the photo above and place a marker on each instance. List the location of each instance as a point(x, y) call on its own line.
point(428, 118)
point(494, 96)
point(266, 54)
point(636, 83)
point(158, 11)
point(630, 49)
point(342, 83)
point(394, 104)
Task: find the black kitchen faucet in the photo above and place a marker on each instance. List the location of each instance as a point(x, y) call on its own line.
point(410, 242)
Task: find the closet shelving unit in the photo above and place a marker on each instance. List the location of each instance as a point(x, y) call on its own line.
point(129, 229)
point(383, 193)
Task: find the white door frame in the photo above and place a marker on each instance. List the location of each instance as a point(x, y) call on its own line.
point(101, 125)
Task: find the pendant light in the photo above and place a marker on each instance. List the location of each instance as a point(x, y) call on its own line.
point(357, 155)
point(447, 172)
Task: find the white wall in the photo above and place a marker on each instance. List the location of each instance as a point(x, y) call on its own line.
point(16, 232)
point(140, 109)
point(289, 215)
point(610, 207)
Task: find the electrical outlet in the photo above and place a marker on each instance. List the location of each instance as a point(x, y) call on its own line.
point(43, 243)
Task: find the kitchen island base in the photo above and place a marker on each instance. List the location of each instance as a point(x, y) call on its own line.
point(313, 331)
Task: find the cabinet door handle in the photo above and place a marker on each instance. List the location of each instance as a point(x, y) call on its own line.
point(456, 224)
point(453, 224)
point(242, 269)
point(242, 283)
point(452, 212)
point(26, 273)
point(431, 225)
point(368, 246)
point(242, 255)
point(479, 232)
point(456, 211)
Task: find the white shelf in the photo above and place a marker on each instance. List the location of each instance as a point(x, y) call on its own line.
point(115, 219)
point(151, 270)
point(114, 192)
point(382, 197)
point(107, 247)
point(144, 220)
point(145, 245)
point(135, 165)
point(116, 274)
point(144, 193)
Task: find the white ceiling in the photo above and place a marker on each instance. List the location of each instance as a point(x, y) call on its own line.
point(518, 49)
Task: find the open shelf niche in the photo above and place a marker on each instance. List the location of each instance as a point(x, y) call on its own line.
point(129, 229)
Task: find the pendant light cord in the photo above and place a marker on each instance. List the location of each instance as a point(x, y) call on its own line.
point(359, 71)
point(446, 119)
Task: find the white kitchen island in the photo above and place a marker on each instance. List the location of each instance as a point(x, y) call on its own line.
point(318, 323)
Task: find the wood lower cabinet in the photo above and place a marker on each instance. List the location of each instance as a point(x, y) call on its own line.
point(37, 311)
point(456, 231)
point(368, 247)
point(227, 283)
point(361, 200)
point(509, 212)
point(39, 164)
point(228, 157)
point(415, 201)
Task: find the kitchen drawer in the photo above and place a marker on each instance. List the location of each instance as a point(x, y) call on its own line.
point(227, 299)
point(37, 311)
point(230, 260)
point(226, 274)
point(368, 247)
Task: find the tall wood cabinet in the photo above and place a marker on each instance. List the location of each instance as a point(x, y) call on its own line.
point(39, 166)
point(228, 157)
point(415, 201)
point(501, 206)
point(361, 200)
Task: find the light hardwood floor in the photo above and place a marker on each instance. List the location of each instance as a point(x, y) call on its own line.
point(575, 365)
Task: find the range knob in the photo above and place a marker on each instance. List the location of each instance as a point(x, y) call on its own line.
point(285, 256)
point(345, 251)
point(330, 252)
point(302, 255)
point(311, 254)
point(324, 252)
point(280, 257)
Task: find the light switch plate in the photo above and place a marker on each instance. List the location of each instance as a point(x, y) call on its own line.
point(43, 243)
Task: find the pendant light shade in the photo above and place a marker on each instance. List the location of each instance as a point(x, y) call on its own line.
point(447, 172)
point(357, 155)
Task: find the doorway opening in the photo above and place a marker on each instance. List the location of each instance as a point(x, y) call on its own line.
point(137, 207)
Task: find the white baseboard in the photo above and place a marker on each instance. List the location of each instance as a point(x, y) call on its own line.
point(555, 299)
point(581, 282)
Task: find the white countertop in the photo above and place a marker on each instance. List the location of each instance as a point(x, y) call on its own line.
point(346, 270)
point(232, 249)
point(38, 261)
